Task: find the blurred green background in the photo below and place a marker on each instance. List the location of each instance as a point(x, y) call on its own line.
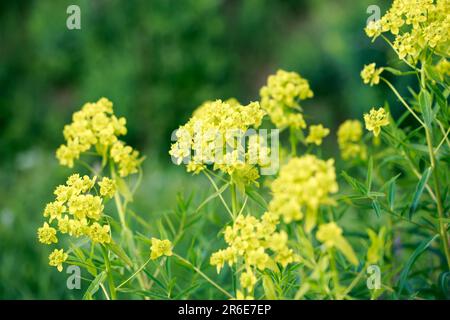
point(156, 60)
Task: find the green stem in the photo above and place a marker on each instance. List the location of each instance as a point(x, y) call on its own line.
point(354, 282)
point(293, 140)
point(403, 101)
point(203, 275)
point(234, 210)
point(335, 275)
point(126, 231)
point(234, 206)
point(220, 195)
point(437, 189)
point(134, 274)
point(112, 287)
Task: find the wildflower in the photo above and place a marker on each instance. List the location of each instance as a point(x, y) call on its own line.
point(350, 140)
point(160, 248)
point(107, 187)
point(212, 137)
point(415, 26)
point(302, 186)
point(54, 210)
point(256, 242)
point(376, 119)
point(57, 258)
point(99, 233)
point(126, 157)
point(330, 235)
point(316, 134)
point(219, 258)
point(95, 125)
point(47, 234)
point(443, 68)
point(248, 280)
point(373, 29)
point(77, 211)
point(281, 97)
point(64, 224)
point(82, 206)
point(370, 74)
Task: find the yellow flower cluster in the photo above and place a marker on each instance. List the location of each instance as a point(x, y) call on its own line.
point(416, 25)
point(376, 119)
point(281, 97)
point(75, 212)
point(370, 74)
point(213, 137)
point(443, 68)
point(316, 134)
point(96, 125)
point(57, 258)
point(349, 140)
point(107, 187)
point(160, 248)
point(257, 243)
point(302, 186)
point(330, 235)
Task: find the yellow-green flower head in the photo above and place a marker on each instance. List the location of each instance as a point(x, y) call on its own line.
point(107, 187)
point(248, 280)
point(256, 242)
point(350, 140)
point(370, 74)
point(95, 125)
point(316, 134)
point(99, 233)
point(57, 258)
point(330, 235)
point(160, 248)
point(376, 119)
point(126, 157)
point(416, 25)
point(76, 212)
point(47, 234)
point(281, 97)
point(214, 126)
point(86, 206)
point(443, 68)
point(242, 296)
point(54, 210)
point(302, 186)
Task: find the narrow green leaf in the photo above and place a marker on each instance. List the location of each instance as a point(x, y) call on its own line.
point(444, 283)
point(425, 101)
point(393, 71)
point(412, 259)
point(419, 190)
point(120, 253)
point(94, 286)
point(185, 293)
point(150, 275)
point(369, 174)
point(123, 189)
point(376, 207)
point(213, 196)
point(391, 195)
point(255, 196)
point(355, 184)
point(432, 73)
point(269, 288)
